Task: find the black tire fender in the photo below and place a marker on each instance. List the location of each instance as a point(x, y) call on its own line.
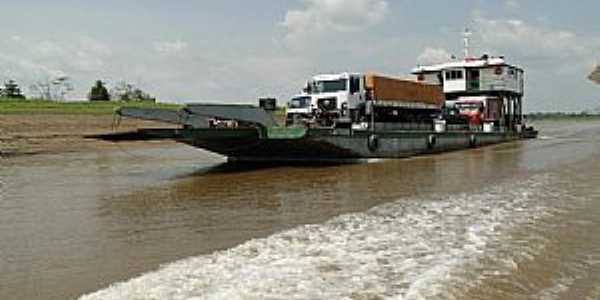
point(431, 141)
point(472, 140)
point(373, 142)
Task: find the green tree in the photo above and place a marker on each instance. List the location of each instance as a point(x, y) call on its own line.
point(99, 92)
point(124, 91)
point(12, 90)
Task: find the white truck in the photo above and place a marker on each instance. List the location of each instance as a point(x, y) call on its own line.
point(344, 96)
point(326, 97)
point(299, 109)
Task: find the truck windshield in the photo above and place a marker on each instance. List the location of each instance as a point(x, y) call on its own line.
point(469, 107)
point(300, 102)
point(329, 86)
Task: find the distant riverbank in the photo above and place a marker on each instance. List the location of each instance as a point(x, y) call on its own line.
point(563, 116)
point(30, 127)
point(34, 126)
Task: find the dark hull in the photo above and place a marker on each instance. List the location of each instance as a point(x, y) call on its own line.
point(259, 139)
point(329, 145)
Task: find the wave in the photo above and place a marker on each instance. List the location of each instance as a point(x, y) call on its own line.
point(413, 248)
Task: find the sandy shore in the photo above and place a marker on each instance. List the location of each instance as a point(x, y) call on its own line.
point(36, 134)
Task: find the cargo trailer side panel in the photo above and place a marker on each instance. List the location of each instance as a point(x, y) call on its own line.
point(398, 90)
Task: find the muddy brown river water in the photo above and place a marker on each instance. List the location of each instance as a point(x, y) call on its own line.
point(512, 221)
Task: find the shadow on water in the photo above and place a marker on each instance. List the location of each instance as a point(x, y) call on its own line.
point(231, 167)
point(242, 167)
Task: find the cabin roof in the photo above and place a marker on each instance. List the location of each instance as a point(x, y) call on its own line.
point(465, 63)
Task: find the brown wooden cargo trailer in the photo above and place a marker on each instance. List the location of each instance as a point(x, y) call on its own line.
point(389, 89)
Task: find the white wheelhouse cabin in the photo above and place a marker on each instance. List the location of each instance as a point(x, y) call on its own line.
point(482, 76)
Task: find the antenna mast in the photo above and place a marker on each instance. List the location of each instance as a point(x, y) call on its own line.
point(467, 38)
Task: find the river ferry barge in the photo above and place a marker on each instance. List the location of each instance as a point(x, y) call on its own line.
point(460, 104)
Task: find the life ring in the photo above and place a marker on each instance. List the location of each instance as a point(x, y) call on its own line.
point(431, 141)
point(472, 141)
point(373, 142)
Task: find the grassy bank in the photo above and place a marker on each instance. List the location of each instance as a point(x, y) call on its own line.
point(10, 106)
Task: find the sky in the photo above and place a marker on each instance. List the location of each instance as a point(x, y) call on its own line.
point(238, 51)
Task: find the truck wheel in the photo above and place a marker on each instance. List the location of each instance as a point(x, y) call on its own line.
point(373, 142)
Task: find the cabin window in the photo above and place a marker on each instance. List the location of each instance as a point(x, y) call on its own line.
point(473, 75)
point(454, 75)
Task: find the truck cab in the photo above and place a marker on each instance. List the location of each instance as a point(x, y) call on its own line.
point(472, 110)
point(333, 93)
point(479, 109)
point(327, 97)
point(299, 108)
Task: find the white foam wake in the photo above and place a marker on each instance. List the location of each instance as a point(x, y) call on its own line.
point(410, 249)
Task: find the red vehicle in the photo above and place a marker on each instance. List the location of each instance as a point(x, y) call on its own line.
point(479, 109)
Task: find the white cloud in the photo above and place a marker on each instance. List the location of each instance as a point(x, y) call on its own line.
point(93, 47)
point(534, 41)
point(433, 56)
point(322, 16)
point(557, 60)
point(86, 61)
point(50, 49)
point(15, 66)
point(86, 54)
point(561, 51)
point(170, 47)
